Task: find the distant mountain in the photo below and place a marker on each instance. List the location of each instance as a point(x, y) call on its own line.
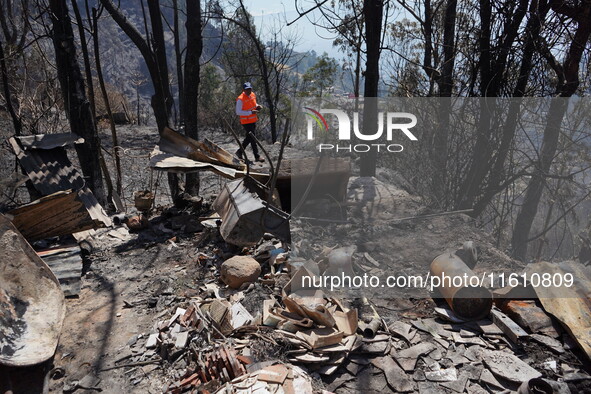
point(123, 64)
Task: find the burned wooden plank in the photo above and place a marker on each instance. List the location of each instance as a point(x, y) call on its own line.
point(508, 326)
point(58, 214)
point(32, 304)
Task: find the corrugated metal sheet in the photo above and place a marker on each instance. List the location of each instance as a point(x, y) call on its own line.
point(242, 212)
point(569, 303)
point(51, 171)
point(49, 141)
point(66, 264)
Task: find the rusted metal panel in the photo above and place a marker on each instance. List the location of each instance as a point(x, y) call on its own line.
point(32, 304)
point(61, 213)
point(468, 302)
point(168, 162)
point(569, 302)
point(66, 264)
point(207, 152)
point(51, 171)
point(245, 217)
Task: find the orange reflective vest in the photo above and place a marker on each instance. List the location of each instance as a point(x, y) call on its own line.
point(249, 103)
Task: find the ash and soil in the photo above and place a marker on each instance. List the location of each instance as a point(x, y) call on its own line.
point(130, 284)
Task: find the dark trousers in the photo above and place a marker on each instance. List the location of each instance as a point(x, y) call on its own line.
point(250, 139)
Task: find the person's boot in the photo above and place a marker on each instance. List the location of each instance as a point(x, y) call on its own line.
point(239, 154)
point(259, 159)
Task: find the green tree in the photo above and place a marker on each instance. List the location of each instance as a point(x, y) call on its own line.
point(320, 76)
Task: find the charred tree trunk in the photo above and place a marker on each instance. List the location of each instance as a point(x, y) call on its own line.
point(568, 75)
point(439, 148)
point(179, 58)
point(90, 87)
point(157, 66)
point(449, 49)
point(162, 100)
point(99, 74)
point(76, 104)
point(155, 59)
point(428, 54)
point(191, 82)
point(373, 12)
point(85, 57)
point(493, 71)
point(497, 172)
point(16, 121)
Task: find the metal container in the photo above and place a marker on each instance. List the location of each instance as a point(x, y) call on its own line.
point(467, 302)
point(246, 217)
point(143, 200)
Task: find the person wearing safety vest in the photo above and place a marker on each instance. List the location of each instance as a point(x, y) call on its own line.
point(247, 108)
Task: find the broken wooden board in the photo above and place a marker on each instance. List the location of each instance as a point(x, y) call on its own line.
point(508, 326)
point(31, 302)
point(571, 305)
point(529, 316)
point(58, 214)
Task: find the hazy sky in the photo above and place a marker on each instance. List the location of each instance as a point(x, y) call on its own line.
point(269, 13)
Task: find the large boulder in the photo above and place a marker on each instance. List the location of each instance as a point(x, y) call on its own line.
point(238, 270)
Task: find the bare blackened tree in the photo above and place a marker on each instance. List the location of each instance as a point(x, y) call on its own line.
point(497, 176)
point(90, 87)
point(16, 120)
point(13, 41)
point(76, 104)
point(493, 65)
point(568, 83)
point(154, 54)
point(99, 74)
point(191, 82)
point(176, 32)
point(373, 11)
